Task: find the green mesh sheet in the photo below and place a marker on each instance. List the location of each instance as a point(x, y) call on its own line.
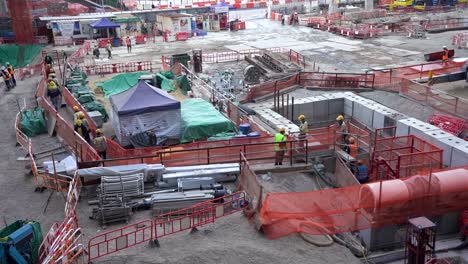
point(120, 83)
point(32, 122)
point(18, 55)
point(95, 106)
point(200, 120)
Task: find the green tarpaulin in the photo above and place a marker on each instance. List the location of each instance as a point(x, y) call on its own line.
point(32, 122)
point(167, 83)
point(95, 106)
point(18, 55)
point(184, 84)
point(120, 83)
point(200, 120)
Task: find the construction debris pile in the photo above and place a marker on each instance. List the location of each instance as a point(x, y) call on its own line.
point(269, 66)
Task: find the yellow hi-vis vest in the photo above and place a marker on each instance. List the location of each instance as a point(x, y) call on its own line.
point(278, 139)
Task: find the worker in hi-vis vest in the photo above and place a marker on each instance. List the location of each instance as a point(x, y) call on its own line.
point(280, 146)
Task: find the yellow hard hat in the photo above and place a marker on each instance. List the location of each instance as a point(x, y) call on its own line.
point(301, 117)
point(98, 131)
point(52, 70)
point(76, 109)
point(81, 115)
point(282, 129)
point(339, 118)
point(78, 122)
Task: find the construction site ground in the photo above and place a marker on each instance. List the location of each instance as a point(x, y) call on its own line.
point(232, 239)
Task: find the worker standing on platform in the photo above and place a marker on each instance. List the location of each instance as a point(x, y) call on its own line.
point(129, 44)
point(11, 70)
point(303, 130)
point(352, 147)
point(445, 56)
point(342, 130)
point(53, 92)
point(361, 172)
point(109, 49)
point(100, 144)
point(280, 146)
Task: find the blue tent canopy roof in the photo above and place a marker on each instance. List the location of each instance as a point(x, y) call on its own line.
point(142, 98)
point(222, 4)
point(104, 23)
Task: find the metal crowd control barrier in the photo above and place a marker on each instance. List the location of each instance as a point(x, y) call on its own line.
point(120, 239)
point(198, 215)
point(112, 68)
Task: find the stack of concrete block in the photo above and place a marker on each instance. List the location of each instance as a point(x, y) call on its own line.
point(413, 126)
point(435, 137)
point(457, 153)
point(385, 117)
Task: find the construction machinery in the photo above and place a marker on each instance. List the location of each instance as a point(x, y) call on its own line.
point(19, 242)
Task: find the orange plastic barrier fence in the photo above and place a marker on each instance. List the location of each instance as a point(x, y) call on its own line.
point(73, 194)
point(336, 80)
point(364, 206)
point(249, 183)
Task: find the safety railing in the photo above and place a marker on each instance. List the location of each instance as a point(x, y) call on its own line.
point(297, 57)
point(62, 242)
point(73, 194)
point(269, 88)
point(249, 183)
point(120, 239)
point(336, 80)
point(102, 69)
point(255, 152)
point(198, 215)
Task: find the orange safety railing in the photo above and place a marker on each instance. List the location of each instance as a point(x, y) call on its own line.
point(73, 194)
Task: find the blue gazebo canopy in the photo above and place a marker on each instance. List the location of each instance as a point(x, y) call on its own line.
point(222, 4)
point(104, 23)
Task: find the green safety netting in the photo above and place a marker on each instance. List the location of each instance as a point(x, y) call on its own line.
point(200, 120)
point(120, 83)
point(18, 55)
point(32, 122)
point(36, 239)
point(96, 106)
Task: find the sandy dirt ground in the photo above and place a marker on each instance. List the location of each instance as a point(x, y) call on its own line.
point(232, 239)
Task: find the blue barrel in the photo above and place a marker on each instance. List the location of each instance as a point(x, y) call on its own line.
point(253, 134)
point(116, 42)
point(244, 128)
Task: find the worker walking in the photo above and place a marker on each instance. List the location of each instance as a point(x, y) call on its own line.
point(342, 131)
point(280, 146)
point(48, 59)
point(76, 113)
point(445, 56)
point(82, 130)
point(11, 70)
point(96, 52)
point(129, 44)
point(6, 77)
point(53, 78)
point(100, 144)
point(109, 49)
point(53, 92)
point(361, 172)
point(84, 121)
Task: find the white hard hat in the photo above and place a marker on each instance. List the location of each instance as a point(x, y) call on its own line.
point(445, 47)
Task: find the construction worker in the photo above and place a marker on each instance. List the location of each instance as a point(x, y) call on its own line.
point(84, 121)
point(53, 78)
point(48, 59)
point(82, 130)
point(11, 70)
point(342, 130)
point(445, 56)
point(129, 44)
point(53, 92)
point(109, 49)
point(76, 113)
point(100, 144)
point(361, 172)
point(6, 77)
point(47, 69)
point(303, 129)
point(96, 52)
point(280, 146)
point(352, 147)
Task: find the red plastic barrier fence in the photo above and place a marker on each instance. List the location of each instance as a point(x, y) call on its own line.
point(120, 239)
point(449, 124)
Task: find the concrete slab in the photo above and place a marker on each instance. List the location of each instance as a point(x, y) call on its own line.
point(401, 52)
point(340, 46)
